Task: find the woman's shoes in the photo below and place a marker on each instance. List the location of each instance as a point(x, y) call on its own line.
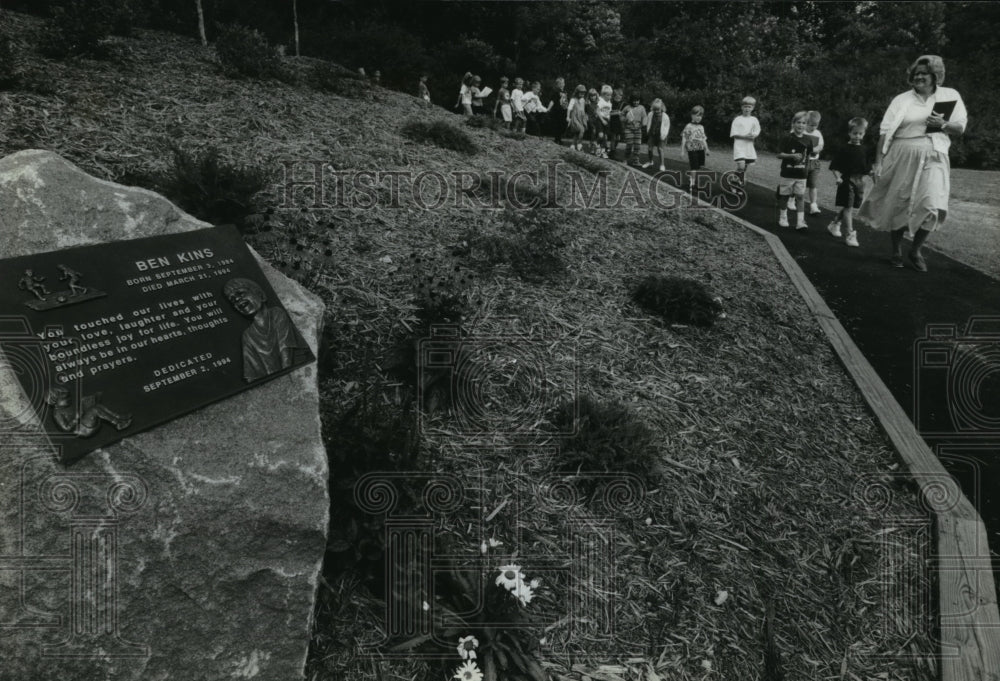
point(919, 264)
point(897, 260)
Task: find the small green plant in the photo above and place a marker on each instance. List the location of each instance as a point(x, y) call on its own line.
point(531, 245)
point(441, 134)
point(245, 52)
point(486, 609)
point(443, 300)
point(677, 300)
point(212, 189)
point(606, 437)
point(441, 291)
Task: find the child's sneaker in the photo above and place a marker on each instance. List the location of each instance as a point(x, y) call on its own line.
point(782, 219)
point(813, 209)
point(791, 203)
point(834, 228)
point(662, 168)
point(801, 222)
point(647, 164)
point(852, 239)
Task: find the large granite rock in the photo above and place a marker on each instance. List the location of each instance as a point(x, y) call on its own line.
point(191, 551)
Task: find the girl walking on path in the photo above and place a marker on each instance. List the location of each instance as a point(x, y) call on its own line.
point(517, 103)
point(912, 171)
point(465, 94)
point(604, 108)
point(694, 143)
point(635, 117)
point(576, 125)
point(657, 129)
point(422, 90)
point(477, 96)
point(502, 108)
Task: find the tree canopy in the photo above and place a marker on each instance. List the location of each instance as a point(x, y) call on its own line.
point(843, 59)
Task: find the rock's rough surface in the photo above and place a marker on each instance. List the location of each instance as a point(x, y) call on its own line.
point(191, 551)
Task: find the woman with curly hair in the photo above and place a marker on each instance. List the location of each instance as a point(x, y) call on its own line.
point(912, 172)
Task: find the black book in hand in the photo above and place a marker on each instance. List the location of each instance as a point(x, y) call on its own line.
point(944, 108)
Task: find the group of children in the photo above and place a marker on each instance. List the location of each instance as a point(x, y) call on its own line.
point(800, 169)
point(599, 120)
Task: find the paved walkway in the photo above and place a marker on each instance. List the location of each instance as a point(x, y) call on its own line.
point(889, 313)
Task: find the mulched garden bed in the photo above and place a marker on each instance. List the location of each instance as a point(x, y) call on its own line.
point(773, 485)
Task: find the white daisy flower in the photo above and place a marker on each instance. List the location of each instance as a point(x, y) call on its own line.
point(468, 672)
point(467, 647)
point(510, 576)
point(524, 593)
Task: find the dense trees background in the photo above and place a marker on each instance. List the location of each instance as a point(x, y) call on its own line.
point(842, 58)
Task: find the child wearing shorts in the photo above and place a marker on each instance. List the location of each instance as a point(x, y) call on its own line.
point(813, 166)
point(744, 130)
point(849, 166)
point(794, 154)
point(694, 143)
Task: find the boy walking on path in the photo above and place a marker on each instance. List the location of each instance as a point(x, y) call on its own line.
point(794, 153)
point(849, 166)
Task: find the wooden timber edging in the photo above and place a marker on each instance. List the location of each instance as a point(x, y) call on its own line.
point(969, 620)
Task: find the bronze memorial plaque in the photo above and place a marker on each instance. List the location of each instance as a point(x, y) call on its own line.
point(113, 339)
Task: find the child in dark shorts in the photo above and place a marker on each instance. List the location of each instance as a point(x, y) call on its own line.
point(694, 142)
point(849, 166)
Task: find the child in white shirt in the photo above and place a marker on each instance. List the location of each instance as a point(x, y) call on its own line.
point(744, 130)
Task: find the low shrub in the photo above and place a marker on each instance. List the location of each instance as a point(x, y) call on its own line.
point(211, 188)
point(518, 135)
point(531, 245)
point(481, 121)
point(440, 134)
point(585, 161)
point(79, 27)
point(607, 437)
point(444, 302)
point(330, 77)
point(369, 437)
point(245, 52)
point(11, 61)
point(677, 300)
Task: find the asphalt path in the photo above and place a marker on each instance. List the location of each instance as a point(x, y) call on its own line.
point(933, 337)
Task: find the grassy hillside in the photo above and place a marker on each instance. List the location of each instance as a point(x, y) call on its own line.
point(719, 463)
